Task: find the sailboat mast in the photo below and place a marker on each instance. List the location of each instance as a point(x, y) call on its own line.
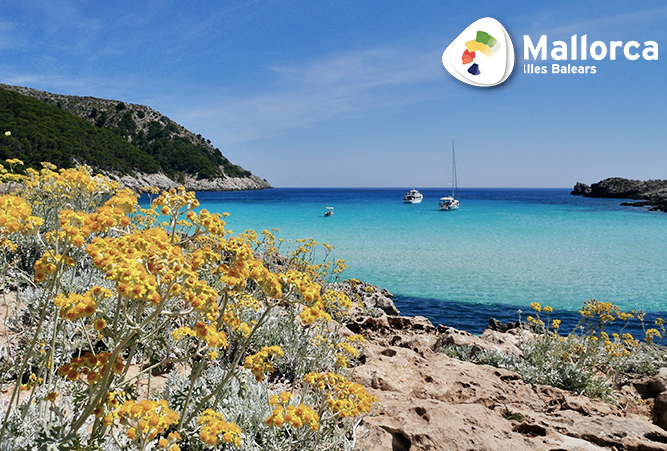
point(454, 181)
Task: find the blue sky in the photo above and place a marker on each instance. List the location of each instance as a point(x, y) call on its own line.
point(353, 93)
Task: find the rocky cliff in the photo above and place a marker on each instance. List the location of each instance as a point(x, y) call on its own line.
point(651, 193)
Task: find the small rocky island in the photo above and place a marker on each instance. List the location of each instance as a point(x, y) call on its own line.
point(651, 193)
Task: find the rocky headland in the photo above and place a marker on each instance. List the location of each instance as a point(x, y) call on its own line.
point(429, 401)
point(651, 193)
point(175, 155)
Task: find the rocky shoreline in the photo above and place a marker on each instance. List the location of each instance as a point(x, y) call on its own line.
point(429, 401)
point(651, 193)
point(161, 181)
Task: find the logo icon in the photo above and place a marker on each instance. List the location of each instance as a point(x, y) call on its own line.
point(482, 55)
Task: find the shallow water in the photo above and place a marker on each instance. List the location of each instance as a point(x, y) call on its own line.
point(502, 250)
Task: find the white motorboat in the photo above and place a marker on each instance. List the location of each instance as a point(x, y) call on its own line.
point(328, 211)
point(449, 203)
point(413, 197)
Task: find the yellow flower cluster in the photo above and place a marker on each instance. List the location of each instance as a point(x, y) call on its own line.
point(207, 332)
point(75, 306)
point(606, 311)
point(146, 418)
point(535, 321)
point(313, 304)
point(145, 265)
point(343, 397)
point(652, 334)
point(111, 401)
point(336, 300)
point(346, 350)
point(211, 223)
point(258, 364)
point(69, 183)
point(15, 216)
point(343, 351)
point(629, 340)
point(214, 427)
point(296, 416)
point(238, 260)
point(48, 264)
point(614, 348)
point(79, 225)
point(169, 442)
point(91, 366)
point(7, 176)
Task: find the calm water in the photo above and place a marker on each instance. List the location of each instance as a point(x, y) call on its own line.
point(502, 250)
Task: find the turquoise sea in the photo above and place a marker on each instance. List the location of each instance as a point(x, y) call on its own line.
point(502, 250)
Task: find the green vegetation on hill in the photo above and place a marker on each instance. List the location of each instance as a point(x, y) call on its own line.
point(43, 132)
point(105, 138)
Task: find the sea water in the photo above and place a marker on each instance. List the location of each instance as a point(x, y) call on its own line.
point(502, 250)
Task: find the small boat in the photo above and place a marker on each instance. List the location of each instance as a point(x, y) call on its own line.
point(328, 211)
point(449, 203)
point(413, 197)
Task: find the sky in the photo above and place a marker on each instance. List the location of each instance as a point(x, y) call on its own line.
point(354, 93)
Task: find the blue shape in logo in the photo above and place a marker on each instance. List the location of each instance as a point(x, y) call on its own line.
point(474, 69)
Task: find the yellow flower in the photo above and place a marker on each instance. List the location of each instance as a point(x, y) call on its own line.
point(147, 418)
point(214, 427)
point(100, 324)
point(651, 334)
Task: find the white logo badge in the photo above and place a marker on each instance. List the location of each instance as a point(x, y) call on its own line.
point(482, 55)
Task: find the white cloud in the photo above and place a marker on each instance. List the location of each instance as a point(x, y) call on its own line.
point(347, 84)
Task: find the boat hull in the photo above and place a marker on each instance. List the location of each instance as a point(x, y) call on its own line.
point(448, 204)
point(412, 201)
point(413, 197)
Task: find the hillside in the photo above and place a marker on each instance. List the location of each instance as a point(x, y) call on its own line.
point(133, 143)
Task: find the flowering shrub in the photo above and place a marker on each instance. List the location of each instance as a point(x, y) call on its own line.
point(116, 294)
point(588, 360)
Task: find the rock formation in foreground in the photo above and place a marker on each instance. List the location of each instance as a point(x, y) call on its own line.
point(651, 193)
point(429, 401)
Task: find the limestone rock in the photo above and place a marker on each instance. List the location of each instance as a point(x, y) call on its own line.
point(429, 401)
point(159, 180)
point(370, 296)
point(433, 402)
point(489, 341)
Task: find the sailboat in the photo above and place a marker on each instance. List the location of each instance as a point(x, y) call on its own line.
point(449, 203)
